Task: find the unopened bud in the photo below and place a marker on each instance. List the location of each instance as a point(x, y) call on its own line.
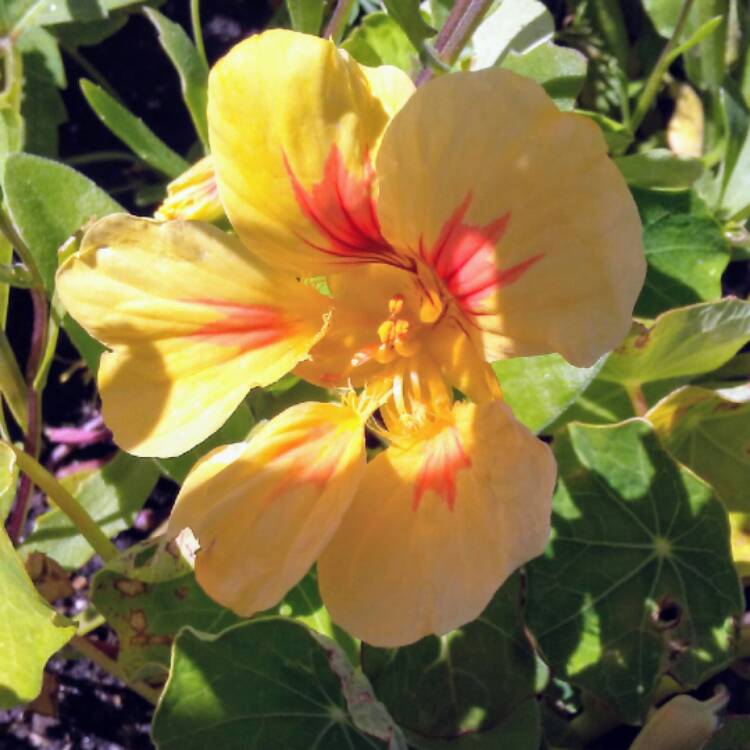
point(194, 195)
point(684, 723)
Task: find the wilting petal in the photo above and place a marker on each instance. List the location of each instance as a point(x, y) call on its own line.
point(194, 321)
point(437, 526)
point(518, 209)
point(262, 511)
point(294, 124)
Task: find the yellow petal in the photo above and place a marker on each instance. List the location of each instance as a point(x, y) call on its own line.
point(437, 526)
point(193, 196)
point(262, 511)
point(294, 124)
point(518, 209)
point(193, 320)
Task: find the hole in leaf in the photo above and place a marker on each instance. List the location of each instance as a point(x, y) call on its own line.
point(668, 614)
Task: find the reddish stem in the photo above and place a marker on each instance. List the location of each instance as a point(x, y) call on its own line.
point(456, 32)
point(32, 439)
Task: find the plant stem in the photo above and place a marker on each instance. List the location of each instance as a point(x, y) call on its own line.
point(23, 252)
point(195, 22)
point(337, 23)
point(653, 83)
point(456, 32)
point(86, 648)
point(637, 399)
point(91, 70)
point(16, 275)
point(98, 156)
point(37, 474)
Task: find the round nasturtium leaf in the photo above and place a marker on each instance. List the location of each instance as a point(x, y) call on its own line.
point(269, 683)
point(638, 576)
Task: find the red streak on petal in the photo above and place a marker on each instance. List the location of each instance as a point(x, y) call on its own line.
point(464, 257)
point(246, 327)
point(444, 457)
point(342, 208)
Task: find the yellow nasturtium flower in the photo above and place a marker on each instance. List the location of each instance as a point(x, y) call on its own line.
point(452, 226)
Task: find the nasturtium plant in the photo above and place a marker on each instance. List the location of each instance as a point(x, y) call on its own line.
point(374, 374)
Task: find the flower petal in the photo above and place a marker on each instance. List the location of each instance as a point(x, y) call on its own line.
point(262, 511)
point(194, 322)
point(293, 124)
point(437, 526)
point(519, 211)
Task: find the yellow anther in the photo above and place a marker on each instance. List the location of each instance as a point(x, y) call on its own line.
point(385, 353)
point(387, 332)
point(395, 305)
point(401, 329)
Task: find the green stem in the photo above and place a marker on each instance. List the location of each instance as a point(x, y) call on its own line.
point(21, 248)
point(195, 21)
point(654, 81)
point(339, 18)
point(16, 275)
point(53, 331)
point(65, 502)
point(90, 651)
point(99, 156)
point(91, 70)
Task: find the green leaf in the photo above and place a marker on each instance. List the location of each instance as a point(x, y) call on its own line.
point(659, 168)
point(687, 256)
point(24, 14)
point(733, 735)
point(42, 107)
point(539, 389)
point(147, 595)
point(617, 135)
point(600, 403)
point(516, 25)
point(521, 730)
point(190, 66)
point(30, 630)
point(132, 131)
point(440, 688)
point(266, 403)
point(306, 15)
point(683, 342)
point(8, 479)
point(663, 14)
point(705, 62)
point(235, 429)
point(734, 200)
point(709, 432)
point(48, 202)
point(609, 22)
point(268, 683)
point(560, 70)
point(12, 384)
point(638, 577)
point(112, 495)
point(379, 40)
point(407, 15)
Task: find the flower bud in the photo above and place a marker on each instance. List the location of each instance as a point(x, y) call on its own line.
point(194, 195)
point(683, 723)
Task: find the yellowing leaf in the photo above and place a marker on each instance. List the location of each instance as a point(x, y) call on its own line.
point(30, 630)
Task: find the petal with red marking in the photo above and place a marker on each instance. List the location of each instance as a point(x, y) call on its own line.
point(519, 211)
point(193, 321)
point(437, 526)
point(294, 125)
point(262, 511)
